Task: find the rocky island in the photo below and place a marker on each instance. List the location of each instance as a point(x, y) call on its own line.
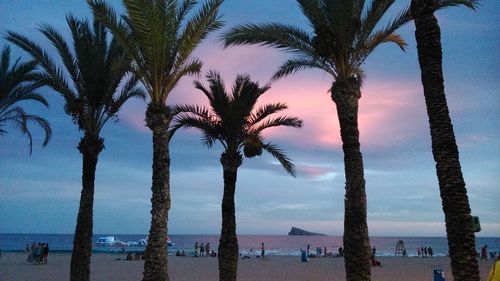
point(300, 232)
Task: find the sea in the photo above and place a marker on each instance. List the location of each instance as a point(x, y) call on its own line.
point(280, 245)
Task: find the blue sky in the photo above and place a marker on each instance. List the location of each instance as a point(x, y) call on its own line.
point(40, 193)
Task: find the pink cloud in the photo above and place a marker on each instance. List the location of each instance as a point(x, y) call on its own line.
point(390, 112)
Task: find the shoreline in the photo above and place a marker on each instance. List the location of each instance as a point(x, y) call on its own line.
point(107, 267)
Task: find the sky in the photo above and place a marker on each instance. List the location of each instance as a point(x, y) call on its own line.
point(40, 193)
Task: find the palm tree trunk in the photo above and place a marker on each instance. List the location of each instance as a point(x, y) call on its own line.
point(346, 94)
point(158, 118)
point(90, 146)
point(461, 240)
point(228, 242)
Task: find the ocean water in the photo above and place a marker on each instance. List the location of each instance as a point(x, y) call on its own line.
point(282, 245)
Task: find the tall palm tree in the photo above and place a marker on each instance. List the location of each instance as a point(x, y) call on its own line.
point(160, 39)
point(232, 121)
point(95, 81)
point(344, 34)
point(461, 240)
point(16, 85)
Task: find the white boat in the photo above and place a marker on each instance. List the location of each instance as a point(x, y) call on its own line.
point(109, 241)
point(144, 242)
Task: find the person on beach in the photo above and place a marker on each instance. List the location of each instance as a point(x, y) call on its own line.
point(495, 270)
point(418, 252)
point(202, 250)
point(308, 248)
point(374, 251)
point(45, 253)
point(341, 252)
point(430, 251)
point(263, 251)
point(325, 253)
point(484, 252)
point(196, 249)
point(38, 253)
point(207, 249)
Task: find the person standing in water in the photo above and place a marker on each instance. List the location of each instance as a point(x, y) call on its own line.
point(262, 251)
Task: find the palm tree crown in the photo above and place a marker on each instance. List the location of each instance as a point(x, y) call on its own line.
point(93, 81)
point(232, 120)
point(17, 85)
point(344, 34)
point(159, 39)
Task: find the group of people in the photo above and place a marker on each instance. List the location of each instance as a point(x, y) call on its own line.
point(425, 252)
point(180, 254)
point(204, 250)
point(261, 256)
point(323, 252)
point(135, 257)
point(38, 253)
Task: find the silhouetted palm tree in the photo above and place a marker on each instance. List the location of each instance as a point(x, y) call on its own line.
point(160, 40)
point(16, 85)
point(461, 240)
point(95, 82)
point(344, 35)
point(232, 121)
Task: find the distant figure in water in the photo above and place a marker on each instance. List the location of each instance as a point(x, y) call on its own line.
point(431, 252)
point(262, 251)
point(374, 251)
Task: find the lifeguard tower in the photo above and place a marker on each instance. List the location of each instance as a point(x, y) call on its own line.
point(400, 249)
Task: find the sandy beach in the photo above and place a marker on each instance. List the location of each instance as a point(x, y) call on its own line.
point(106, 267)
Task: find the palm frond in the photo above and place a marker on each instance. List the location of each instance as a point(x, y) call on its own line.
point(192, 67)
point(314, 12)
point(264, 111)
point(107, 16)
point(20, 120)
point(210, 132)
point(281, 36)
point(62, 47)
point(472, 4)
point(53, 76)
point(373, 15)
point(294, 65)
point(196, 29)
point(279, 155)
point(277, 122)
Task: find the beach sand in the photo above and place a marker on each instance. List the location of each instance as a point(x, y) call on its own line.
point(105, 267)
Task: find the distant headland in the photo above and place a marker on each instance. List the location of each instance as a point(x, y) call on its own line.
point(300, 232)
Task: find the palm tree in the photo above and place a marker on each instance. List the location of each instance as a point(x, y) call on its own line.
point(16, 85)
point(160, 39)
point(461, 240)
point(344, 34)
point(95, 82)
point(232, 121)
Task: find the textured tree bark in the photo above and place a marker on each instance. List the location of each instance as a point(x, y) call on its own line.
point(461, 240)
point(90, 146)
point(158, 118)
point(228, 242)
point(346, 94)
